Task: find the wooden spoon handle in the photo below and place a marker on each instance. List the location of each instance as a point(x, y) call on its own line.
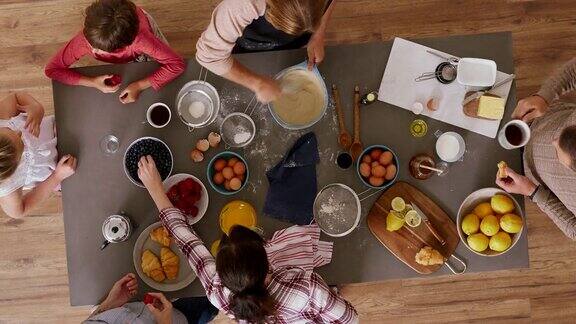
point(356, 114)
point(339, 112)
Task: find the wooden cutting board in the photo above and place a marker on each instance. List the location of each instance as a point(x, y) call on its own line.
point(403, 244)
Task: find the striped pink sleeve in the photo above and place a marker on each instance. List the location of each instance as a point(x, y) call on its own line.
point(198, 255)
point(299, 246)
point(214, 47)
point(328, 306)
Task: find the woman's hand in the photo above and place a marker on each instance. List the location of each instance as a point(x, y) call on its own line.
point(161, 310)
point(315, 50)
point(148, 173)
point(530, 108)
point(99, 83)
point(267, 90)
point(121, 293)
point(66, 167)
point(35, 113)
point(516, 184)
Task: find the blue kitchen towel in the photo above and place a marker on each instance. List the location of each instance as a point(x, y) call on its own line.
point(293, 183)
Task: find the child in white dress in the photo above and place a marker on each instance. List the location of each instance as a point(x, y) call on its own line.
point(28, 155)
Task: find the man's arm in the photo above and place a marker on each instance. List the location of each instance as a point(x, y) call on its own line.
point(561, 82)
point(556, 210)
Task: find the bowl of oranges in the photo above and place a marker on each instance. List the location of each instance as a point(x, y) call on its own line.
point(228, 173)
point(490, 222)
point(377, 167)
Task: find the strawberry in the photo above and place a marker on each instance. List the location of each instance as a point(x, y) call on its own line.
point(148, 299)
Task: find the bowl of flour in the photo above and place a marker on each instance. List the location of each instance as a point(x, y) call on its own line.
point(304, 98)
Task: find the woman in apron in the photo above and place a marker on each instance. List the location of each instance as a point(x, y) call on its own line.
point(243, 26)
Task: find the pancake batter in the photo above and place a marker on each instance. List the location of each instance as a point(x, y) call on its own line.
point(302, 100)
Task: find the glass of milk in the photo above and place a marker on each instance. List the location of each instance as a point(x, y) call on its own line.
point(450, 147)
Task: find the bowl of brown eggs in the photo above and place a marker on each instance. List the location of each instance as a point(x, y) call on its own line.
point(378, 167)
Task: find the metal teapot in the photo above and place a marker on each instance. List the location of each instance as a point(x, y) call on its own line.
point(116, 229)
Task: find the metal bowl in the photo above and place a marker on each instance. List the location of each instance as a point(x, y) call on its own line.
point(230, 126)
point(480, 196)
point(200, 91)
point(396, 162)
point(316, 72)
point(318, 214)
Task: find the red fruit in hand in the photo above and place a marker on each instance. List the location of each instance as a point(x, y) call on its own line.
point(148, 299)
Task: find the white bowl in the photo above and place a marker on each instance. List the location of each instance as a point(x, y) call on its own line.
point(476, 72)
point(132, 144)
point(480, 196)
point(461, 147)
point(204, 198)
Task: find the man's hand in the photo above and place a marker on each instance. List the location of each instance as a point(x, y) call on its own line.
point(65, 167)
point(161, 310)
point(99, 83)
point(267, 90)
point(530, 108)
point(315, 50)
point(121, 293)
point(35, 113)
point(131, 93)
point(516, 184)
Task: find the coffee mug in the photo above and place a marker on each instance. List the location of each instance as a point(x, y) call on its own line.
point(514, 134)
point(158, 115)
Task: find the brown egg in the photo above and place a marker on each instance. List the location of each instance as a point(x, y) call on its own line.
point(241, 177)
point(218, 178)
point(228, 173)
point(202, 145)
point(375, 181)
point(219, 164)
point(227, 185)
point(235, 184)
point(375, 154)
point(375, 164)
point(214, 139)
point(232, 161)
point(386, 158)
point(196, 156)
point(239, 168)
point(379, 171)
point(365, 170)
point(367, 159)
point(390, 172)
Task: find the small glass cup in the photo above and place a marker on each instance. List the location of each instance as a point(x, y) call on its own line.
point(110, 144)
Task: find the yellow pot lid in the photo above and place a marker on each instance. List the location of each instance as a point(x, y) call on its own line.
point(237, 212)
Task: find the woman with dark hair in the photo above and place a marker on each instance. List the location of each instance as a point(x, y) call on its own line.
point(241, 282)
point(241, 26)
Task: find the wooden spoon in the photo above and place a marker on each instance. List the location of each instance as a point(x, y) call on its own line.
point(344, 139)
point(356, 148)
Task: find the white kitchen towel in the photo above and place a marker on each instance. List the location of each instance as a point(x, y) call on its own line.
point(407, 61)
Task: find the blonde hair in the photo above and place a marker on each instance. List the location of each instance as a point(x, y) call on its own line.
point(8, 158)
point(295, 17)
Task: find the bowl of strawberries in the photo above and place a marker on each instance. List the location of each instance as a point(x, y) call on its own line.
point(187, 193)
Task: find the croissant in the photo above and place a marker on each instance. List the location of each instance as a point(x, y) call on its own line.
point(428, 256)
point(161, 236)
point(152, 267)
point(170, 263)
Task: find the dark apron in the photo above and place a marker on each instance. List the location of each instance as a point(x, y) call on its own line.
point(261, 36)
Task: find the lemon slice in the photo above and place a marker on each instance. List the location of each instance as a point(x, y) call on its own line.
point(412, 218)
point(408, 208)
point(394, 221)
point(398, 204)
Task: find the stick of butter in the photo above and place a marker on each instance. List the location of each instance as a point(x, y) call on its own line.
point(491, 107)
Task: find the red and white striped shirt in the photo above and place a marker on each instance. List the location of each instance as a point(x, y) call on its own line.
point(301, 295)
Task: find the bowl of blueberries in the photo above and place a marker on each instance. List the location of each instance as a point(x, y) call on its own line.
point(154, 147)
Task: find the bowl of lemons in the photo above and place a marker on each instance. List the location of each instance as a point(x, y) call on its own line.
point(490, 222)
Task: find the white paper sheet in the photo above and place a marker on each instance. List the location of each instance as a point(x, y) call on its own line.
point(409, 60)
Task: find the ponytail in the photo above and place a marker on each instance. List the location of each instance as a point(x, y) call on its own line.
point(254, 305)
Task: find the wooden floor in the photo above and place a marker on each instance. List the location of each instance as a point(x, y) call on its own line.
point(33, 278)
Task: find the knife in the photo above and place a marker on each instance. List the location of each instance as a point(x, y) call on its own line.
point(480, 93)
point(429, 224)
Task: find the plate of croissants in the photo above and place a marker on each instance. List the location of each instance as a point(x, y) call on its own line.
point(159, 261)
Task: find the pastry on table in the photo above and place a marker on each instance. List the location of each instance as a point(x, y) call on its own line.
point(152, 267)
point(428, 256)
point(170, 263)
point(161, 236)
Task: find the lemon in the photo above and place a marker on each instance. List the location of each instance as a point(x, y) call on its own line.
point(483, 209)
point(394, 221)
point(470, 224)
point(500, 242)
point(511, 223)
point(412, 218)
point(489, 225)
point(478, 242)
point(398, 204)
point(502, 204)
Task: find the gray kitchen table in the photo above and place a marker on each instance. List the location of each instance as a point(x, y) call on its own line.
point(100, 188)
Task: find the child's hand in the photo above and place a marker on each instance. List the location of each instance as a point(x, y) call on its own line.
point(163, 311)
point(66, 167)
point(35, 114)
point(99, 83)
point(131, 93)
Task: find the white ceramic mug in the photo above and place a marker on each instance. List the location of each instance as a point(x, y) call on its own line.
point(149, 114)
point(525, 132)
